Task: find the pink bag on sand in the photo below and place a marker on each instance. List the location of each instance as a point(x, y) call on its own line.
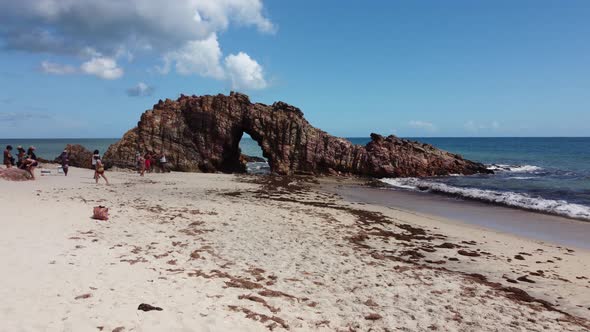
point(101, 213)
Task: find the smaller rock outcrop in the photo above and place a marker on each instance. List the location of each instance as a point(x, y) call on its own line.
point(252, 159)
point(79, 156)
point(14, 174)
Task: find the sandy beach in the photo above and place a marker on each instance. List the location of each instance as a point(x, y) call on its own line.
point(242, 253)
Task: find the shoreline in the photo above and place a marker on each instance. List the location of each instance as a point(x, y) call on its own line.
point(531, 224)
point(225, 252)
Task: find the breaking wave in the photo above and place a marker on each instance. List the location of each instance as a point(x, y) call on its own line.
point(512, 199)
point(514, 168)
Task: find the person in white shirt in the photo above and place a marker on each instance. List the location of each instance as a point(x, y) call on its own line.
point(163, 163)
point(95, 157)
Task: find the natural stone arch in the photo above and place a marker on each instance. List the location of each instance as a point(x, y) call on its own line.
point(202, 134)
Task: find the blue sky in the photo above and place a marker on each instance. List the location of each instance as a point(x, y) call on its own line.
point(411, 68)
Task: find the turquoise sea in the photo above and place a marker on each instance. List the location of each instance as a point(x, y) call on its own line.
point(550, 175)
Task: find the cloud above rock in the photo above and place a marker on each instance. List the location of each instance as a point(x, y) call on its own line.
point(57, 69)
point(183, 35)
point(200, 57)
point(14, 117)
point(244, 72)
point(102, 67)
point(141, 90)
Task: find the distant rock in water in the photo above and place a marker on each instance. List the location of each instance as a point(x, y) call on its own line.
point(252, 159)
point(202, 134)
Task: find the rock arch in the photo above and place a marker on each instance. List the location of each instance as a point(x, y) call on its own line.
point(202, 134)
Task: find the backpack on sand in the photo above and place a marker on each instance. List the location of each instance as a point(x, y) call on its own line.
point(101, 213)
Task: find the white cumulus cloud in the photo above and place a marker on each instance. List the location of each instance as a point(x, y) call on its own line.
point(474, 127)
point(182, 34)
point(244, 72)
point(418, 124)
point(102, 67)
point(140, 90)
point(200, 57)
point(57, 69)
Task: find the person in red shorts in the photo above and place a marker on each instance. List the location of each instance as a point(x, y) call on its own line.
point(148, 162)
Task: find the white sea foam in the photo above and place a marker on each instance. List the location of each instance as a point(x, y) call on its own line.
point(525, 169)
point(258, 167)
point(512, 199)
point(514, 168)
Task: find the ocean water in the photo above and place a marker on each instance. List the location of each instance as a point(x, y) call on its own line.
point(51, 148)
point(549, 175)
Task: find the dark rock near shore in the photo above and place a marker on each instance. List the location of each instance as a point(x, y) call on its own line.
point(252, 159)
point(202, 134)
point(14, 174)
point(79, 156)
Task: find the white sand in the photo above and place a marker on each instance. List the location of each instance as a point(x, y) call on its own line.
point(218, 256)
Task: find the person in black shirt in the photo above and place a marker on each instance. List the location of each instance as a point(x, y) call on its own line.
point(21, 156)
point(31, 153)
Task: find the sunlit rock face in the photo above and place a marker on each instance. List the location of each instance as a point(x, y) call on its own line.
point(202, 134)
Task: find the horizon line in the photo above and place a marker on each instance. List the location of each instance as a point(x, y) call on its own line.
point(118, 138)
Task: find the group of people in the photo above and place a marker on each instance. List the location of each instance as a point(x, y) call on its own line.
point(28, 161)
point(150, 162)
point(24, 160)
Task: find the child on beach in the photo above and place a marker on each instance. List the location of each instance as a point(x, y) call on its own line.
point(99, 170)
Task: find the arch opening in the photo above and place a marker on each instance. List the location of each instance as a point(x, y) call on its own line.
point(252, 155)
point(245, 154)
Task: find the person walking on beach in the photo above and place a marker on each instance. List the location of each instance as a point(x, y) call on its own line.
point(99, 170)
point(163, 163)
point(140, 164)
point(8, 158)
point(95, 156)
point(64, 159)
point(148, 162)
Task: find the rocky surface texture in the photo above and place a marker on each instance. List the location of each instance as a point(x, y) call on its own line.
point(252, 159)
point(14, 174)
point(202, 134)
point(79, 156)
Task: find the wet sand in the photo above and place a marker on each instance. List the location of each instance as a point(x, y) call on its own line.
point(538, 226)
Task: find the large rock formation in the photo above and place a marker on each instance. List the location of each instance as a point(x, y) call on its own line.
point(202, 134)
